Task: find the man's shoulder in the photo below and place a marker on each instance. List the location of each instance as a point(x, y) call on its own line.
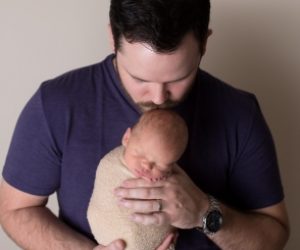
point(77, 79)
point(225, 97)
point(220, 88)
point(77, 87)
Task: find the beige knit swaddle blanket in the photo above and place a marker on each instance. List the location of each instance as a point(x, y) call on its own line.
point(107, 220)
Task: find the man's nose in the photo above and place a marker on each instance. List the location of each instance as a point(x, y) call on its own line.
point(160, 93)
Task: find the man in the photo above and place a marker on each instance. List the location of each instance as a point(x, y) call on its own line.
point(233, 198)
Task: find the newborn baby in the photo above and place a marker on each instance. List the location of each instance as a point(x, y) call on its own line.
point(150, 151)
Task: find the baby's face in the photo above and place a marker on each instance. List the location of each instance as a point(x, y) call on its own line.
point(149, 158)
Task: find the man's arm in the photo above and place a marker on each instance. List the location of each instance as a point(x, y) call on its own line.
point(263, 229)
point(184, 205)
point(31, 225)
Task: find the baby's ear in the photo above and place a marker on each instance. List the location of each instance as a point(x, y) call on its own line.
point(126, 137)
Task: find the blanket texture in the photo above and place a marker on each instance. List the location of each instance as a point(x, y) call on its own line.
point(107, 220)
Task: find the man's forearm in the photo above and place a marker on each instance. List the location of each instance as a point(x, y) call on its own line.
point(250, 231)
point(38, 228)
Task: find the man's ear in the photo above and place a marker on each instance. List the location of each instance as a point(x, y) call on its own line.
point(126, 137)
point(203, 47)
point(111, 38)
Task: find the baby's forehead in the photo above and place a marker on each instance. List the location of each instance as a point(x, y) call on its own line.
point(159, 143)
point(150, 134)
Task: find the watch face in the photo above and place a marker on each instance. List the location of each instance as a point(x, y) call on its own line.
point(214, 221)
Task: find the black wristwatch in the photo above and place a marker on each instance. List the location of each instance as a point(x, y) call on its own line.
point(213, 219)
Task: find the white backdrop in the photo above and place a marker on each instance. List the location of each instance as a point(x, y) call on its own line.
point(255, 46)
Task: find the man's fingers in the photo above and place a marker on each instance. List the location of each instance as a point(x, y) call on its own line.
point(139, 193)
point(139, 183)
point(142, 206)
point(150, 219)
point(167, 242)
point(115, 245)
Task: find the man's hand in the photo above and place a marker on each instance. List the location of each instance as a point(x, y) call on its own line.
point(115, 245)
point(182, 203)
point(168, 241)
point(120, 244)
point(179, 202)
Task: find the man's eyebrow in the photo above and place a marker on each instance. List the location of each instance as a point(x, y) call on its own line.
point(137, 78)
point(176, 80)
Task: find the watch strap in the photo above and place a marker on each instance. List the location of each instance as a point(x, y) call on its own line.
point(214, 209)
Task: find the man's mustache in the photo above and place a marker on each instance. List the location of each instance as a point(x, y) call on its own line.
point(151, 105)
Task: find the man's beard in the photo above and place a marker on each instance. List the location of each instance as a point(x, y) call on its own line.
point(145, 106)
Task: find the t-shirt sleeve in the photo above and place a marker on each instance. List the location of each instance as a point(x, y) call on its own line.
point(255, 179)
point(33, 160)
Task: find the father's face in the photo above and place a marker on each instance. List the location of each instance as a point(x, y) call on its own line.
point(157, 80)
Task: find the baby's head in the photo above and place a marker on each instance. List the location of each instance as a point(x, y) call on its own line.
point(154, 145)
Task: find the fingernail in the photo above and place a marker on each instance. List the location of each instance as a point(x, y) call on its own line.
point(118, 245)
point(124, 203)
point(118, 192)
point(135, 218)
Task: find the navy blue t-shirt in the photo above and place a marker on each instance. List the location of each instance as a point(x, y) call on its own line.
point(72, 121)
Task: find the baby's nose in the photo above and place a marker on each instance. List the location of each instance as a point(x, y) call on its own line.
point(147, 165)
